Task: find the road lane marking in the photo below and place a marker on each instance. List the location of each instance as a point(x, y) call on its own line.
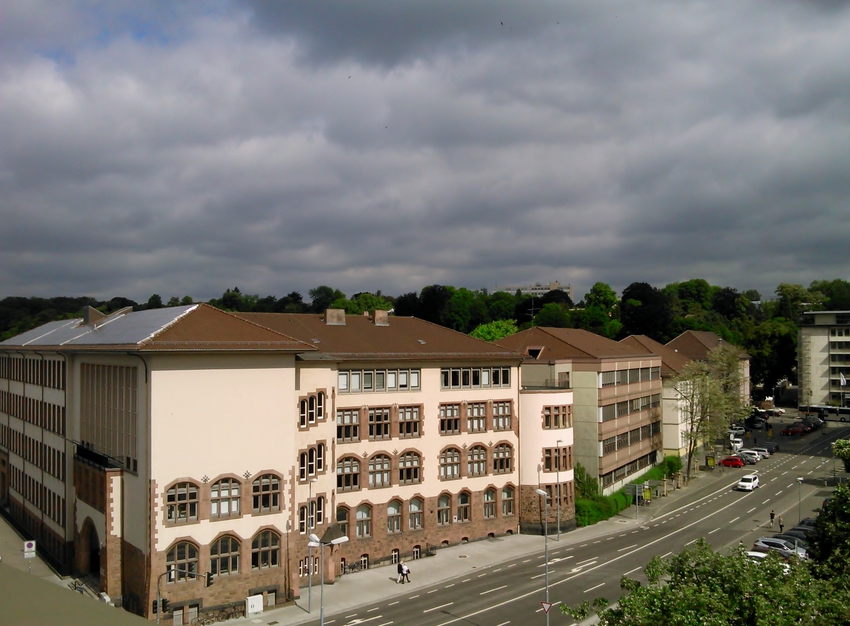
point(751, 510)
point(664, 556)
point(628, 547)
point(432, 591)
point(631, 570)
point(392, 603)
point(587, 561)
point(484, 593)
point(766, 501)
point(449, 586)
point(592, 588)
point(375, 609)
point(713, 531)
point(691, 541)
point(438, 607)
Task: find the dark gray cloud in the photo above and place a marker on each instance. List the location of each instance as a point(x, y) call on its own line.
point(180, 149)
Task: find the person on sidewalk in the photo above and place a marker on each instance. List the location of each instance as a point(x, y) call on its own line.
point(781, 524)
point(406, 571)
point(772, 517)
point(400, 569)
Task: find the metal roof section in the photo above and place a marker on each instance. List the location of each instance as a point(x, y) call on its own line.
point(195, 327)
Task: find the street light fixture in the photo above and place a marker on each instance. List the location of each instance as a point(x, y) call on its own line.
point(558, 478)
point(311, 522)
point(799, 499)
point(545, 497)
point(331, 538)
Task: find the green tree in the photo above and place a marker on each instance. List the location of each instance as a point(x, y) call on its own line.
point(501, 305)
point(464, 310)
point(154, 302)
point(829, 542)
point(702, 587)
point(601, 296)
point(495, 330)
point(841, 450)
point(772, 347)
point(552, 315)
point(322, 296)
point(645, 310)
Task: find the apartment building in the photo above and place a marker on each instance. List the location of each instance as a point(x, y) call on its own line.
point(823, 358)
point(147, 449)
point(698, 344)
point(616, 389)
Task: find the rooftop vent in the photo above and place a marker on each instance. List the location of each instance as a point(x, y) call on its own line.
point(92, 316)
point(335, 317)
point(382, 318)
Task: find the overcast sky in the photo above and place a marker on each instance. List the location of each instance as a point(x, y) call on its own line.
point(181, 148)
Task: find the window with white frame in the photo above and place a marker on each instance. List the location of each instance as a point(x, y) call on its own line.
point(502, 415)
point(414, 513)
point(224, 498)
point(409, 468)
point(507, 501)
point(476, 417)
point(379, 471)
point(342, 514)
point(474, 377)
point(266, 493)
point(347, 425)
point(224, 556)
point(181, 562)
point(376, 381)
point(489, 503)
point(181, 503)
point(364, 521)
point(476, 458)
point(449, 419)
point(463, 507)
point(379, 423)
point(502, 458)
point(408, 422)
point(312, 409)
point(444, 510)
point(394, 517)
point(348, 474)
point(265, 550)
point(450, 464)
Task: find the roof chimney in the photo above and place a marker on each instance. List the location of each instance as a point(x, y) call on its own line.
point(382, 318)
point(335, 317)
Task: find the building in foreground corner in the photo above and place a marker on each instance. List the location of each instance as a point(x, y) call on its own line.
point(823, 358)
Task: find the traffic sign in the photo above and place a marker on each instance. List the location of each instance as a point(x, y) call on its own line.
point(29, 549)
point(546, 606)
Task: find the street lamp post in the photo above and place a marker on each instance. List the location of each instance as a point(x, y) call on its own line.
point(315, 542)
point(558, 478)
point(311, 522)
point(545, 497)
point(799, 499)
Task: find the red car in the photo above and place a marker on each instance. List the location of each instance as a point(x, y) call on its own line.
point(792, 430)
point(732, 461)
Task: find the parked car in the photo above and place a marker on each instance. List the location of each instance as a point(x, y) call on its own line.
point(752, 451)
point(736, 444)
point(792, 430)
point(737, 431)
point(807, 521)
point(749, 456)
point(759, 557)
point(732, 461)
point(763, 544)
point(771, 446)
point(795, 535)
point(748, 482)
point(806, 427)
point(764, 452)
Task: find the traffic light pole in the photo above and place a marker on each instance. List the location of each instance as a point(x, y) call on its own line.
point(159, 609)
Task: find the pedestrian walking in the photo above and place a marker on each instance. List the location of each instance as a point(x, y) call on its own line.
point(772, 517)
point(781, 524)
point(400, 568)
point(406, 571)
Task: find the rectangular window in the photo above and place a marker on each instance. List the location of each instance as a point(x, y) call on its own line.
point(380, 381)
point(379, 423)
point(476, 417)
point(355, 382)
point(449, 419)
point(402, 380)
point(607, 379)
point(501, 416)
point(408, 421)
point(348, 425)
point(392, 381)
point(368, 381)
point(609, 412)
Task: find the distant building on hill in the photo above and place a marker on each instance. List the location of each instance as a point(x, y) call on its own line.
point(539, 289)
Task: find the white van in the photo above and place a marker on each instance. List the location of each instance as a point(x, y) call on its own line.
point(735, 444)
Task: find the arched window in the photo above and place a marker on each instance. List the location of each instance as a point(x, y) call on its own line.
point(408, 469)
point(489, 503)
point(394, 517)
point(414, 509)
point(181, 562)
point(266, 494)
point(507, 501)
point(476, 458)
point(265, 550)
point(502, 458)
point(342, 519)
point(463, 512)
point(444, 510)
point(348, 474)
point(182, 503)
point(224, 556)
point(450, 463)
point(379, 471)
point(302, 520)
point(364, 520)
point(224, 498)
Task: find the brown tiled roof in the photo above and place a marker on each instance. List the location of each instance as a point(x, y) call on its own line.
point(672, 362)
point(209, 328)
point(360, 338)
point(567, 343)
point(696, 344)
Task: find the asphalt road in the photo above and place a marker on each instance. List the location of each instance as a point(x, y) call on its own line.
point(511, 593)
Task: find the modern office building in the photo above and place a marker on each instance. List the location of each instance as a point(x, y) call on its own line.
point(823, 358)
